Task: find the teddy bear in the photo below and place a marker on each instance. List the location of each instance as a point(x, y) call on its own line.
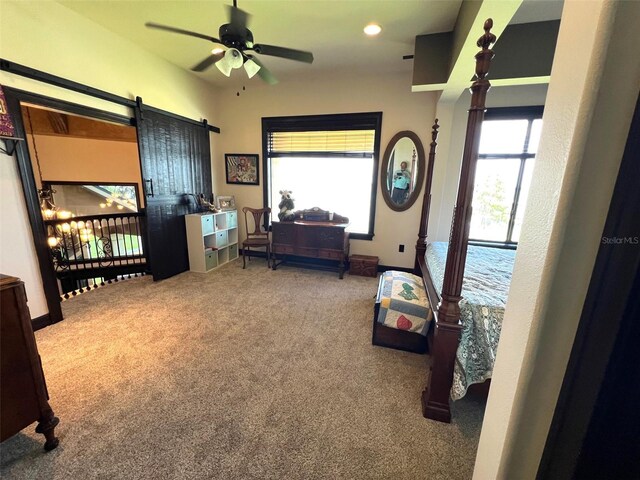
point(286, 206)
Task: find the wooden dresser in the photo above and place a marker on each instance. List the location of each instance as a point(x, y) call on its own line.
point(324, 240)
point(23, 392)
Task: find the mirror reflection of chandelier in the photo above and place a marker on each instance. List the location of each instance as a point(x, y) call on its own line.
point(121, 201)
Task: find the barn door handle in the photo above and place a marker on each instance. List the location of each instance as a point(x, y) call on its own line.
point(150, 182)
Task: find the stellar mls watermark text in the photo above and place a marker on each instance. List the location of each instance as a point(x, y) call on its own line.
point(621, 240)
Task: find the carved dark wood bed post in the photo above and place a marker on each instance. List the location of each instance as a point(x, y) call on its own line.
point(435, 398)
point(421, 245)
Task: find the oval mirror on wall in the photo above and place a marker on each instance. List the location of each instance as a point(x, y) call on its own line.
point(402, 171)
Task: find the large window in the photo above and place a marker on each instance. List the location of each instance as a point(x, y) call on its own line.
point(327, 161)
point(508, 145)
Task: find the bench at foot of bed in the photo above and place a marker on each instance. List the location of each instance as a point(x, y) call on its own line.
point(401, 315)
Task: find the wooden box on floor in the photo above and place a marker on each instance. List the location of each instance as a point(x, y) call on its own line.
point(363, 265)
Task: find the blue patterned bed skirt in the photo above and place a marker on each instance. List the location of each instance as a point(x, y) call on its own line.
point(485, 289)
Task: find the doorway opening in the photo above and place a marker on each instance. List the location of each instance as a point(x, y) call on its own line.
point(54, 122)
point(87, 174)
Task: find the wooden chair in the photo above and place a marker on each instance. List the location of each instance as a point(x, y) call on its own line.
point(256, 238)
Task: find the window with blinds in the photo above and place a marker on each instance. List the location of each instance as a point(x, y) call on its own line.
point(338, 141)
point(327, 161)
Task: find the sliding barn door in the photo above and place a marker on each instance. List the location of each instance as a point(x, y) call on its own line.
point(176, 162)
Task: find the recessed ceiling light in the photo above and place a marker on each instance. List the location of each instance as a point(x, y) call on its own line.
point(372, 29)
point(217, 50)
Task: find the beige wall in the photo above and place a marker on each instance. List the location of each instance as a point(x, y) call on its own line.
point(62, 42)
point(594, 87)
point(52, 38)
point(402, 110)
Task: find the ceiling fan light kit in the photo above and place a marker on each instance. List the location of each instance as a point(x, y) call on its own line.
point(251, 68)
point(224, 67)
point(238, 40)
point(232, 59)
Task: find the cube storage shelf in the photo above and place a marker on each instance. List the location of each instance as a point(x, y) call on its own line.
point(212, 239)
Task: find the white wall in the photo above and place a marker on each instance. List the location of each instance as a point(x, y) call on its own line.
point(49, 37)
point(594, 87)
point(240, 120)
point(17, 251)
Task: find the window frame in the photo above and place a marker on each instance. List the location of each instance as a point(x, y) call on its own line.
point(340, 121)
point(529, 113)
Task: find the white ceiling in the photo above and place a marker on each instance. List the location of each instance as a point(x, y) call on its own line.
point(332, 30)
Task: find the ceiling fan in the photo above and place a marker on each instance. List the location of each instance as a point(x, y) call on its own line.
point(238, 40)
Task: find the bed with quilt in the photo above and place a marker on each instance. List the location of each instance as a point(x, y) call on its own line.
point(485, 288)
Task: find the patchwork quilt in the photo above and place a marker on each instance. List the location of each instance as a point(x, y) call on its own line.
point(403, 302)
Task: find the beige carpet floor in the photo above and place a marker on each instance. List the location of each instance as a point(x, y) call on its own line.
point(238, 374)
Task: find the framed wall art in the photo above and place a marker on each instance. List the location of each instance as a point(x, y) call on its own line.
point(242, 168)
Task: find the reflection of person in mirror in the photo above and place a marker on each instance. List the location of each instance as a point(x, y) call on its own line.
point(401, 182)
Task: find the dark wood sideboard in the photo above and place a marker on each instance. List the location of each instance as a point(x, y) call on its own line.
point(23, 392)
point(323, 240)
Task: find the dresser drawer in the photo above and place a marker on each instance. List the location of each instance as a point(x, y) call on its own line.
point(282, 248)
point(306, 252)
point(330, 254)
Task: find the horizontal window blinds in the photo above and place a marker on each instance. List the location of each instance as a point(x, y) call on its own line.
point(344, 141)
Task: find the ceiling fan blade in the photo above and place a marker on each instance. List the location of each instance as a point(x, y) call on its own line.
point(183, 32)
point(264, 73)
point(207, 62)
point(238, 19)
point(290, 53)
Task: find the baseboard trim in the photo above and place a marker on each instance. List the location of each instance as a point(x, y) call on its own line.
point(40, 322)
point(304, 260)
point(384, 268)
